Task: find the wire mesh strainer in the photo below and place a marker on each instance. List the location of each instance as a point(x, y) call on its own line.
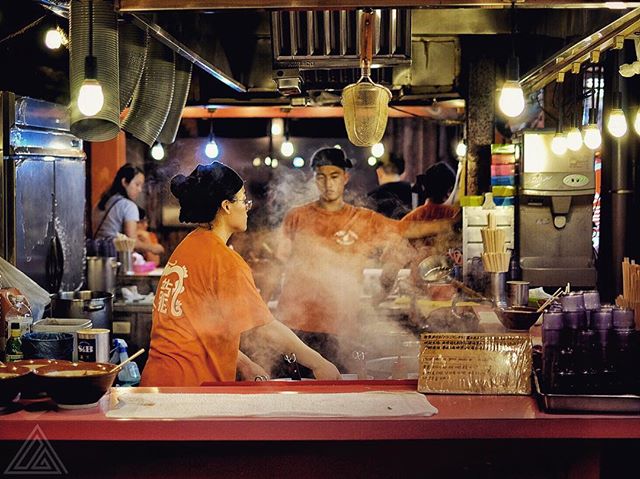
point(365, 103)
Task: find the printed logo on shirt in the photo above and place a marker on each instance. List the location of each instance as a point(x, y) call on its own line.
point(170, 288)
point(346, 238)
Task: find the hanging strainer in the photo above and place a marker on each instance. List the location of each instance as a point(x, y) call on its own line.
point(365, 103)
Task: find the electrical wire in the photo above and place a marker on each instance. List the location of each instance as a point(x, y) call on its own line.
point(23, 29)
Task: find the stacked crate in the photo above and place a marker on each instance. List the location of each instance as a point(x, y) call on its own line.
point(503, 174)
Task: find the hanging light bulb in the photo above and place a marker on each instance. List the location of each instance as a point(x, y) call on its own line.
point(377, 150)
point(636, 123)
point(157, 151)
point(287, 148)
point(617, 124)
point(372, 161)
point(274, 163)
point(267, 161)
point(592, 136)
point(298, 162)
point(559, 144)
point(574, 139)
point(277, 126)
point(511, 100)
point(90, 96)
point(257, 161)
point(461, 149)
point(53, 39)
point(211, 149)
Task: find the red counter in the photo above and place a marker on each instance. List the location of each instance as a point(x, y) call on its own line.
point(492, 430)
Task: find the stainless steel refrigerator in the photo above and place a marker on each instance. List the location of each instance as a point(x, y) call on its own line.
point(43, 192)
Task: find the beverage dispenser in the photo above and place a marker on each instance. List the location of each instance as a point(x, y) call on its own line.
point(555, 213)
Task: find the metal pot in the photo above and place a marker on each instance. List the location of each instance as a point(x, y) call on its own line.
point(101, 273)
point(96, 306)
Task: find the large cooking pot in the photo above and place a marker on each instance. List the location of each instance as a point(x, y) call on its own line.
point(101, 273)
point(96, 306)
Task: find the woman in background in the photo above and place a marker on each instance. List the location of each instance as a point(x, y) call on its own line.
point(117, 211)
point(206, 299)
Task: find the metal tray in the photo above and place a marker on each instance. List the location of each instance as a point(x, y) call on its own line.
point(587, 403)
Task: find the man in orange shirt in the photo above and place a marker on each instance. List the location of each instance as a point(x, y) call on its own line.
point(207, 299)
point(325, 246)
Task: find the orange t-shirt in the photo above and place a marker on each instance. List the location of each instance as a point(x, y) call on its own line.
point(205, 299)
point(431, 211)
point(329, 249)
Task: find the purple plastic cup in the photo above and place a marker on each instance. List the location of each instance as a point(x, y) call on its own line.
point(575, 319)
point(591, 300)
point(602, 319)
point(573, 301)
point(552, 320)
point(623, 319)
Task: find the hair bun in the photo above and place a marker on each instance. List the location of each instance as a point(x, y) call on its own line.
point(178, 185)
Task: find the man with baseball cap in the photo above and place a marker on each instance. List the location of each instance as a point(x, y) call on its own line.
point(325, 246)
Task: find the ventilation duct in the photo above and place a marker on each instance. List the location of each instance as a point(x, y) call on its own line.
point(152, 97)
point(105, 125)
point(133, 53)
point(180, 92)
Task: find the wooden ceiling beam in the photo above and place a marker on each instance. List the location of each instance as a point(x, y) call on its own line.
point(159, 5)
point(449, 110)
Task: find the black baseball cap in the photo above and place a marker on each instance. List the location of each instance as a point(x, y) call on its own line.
point(331, 157)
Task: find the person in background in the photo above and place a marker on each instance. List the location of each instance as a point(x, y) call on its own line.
point(149, 237)
point(436, 185)
point(117, 211)
point(206, 299)
point(393, 197)
point(324, 247)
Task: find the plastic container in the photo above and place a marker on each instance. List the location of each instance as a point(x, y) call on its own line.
point(503, 170)
point(48, 346)
point(503, 180)
point(130, 374)
point(498, 190)
point(471, 200)
point(63, 325)
point(504, 200)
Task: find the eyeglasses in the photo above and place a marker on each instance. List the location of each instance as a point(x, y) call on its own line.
point(247, 203)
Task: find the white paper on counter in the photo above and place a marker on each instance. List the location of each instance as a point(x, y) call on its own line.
point(285, 404)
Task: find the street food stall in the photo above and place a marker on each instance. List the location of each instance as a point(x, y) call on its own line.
point(506, 346)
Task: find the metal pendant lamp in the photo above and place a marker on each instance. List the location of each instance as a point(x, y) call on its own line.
point(93, 42)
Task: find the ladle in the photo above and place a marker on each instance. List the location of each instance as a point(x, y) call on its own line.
point(133, 356)
point(436, 269)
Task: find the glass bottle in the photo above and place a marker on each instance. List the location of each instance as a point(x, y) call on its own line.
point(13, 351)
